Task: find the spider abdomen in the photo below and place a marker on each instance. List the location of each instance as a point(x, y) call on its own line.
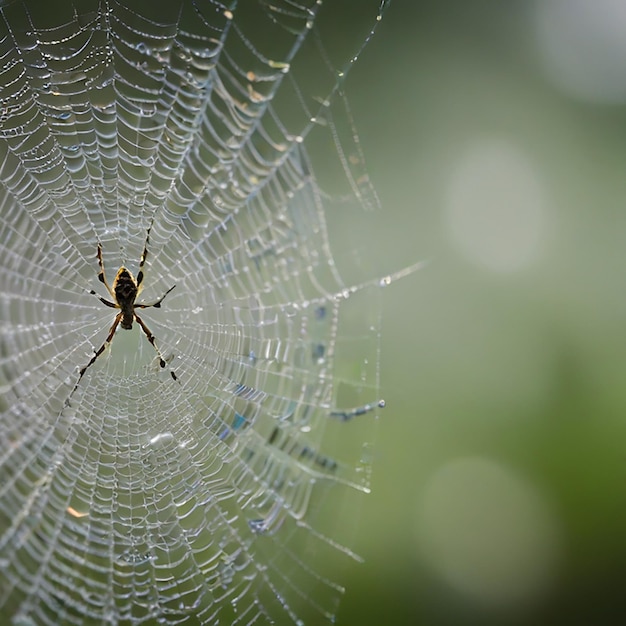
point(125, 290)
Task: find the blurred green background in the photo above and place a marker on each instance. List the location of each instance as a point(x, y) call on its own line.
point(495, 133)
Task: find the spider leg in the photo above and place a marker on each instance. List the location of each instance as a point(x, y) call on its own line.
point(98, 352)
point(101, 276)
point(144, 254)
point(111, 304)
point(150, 337)
point(156, 304)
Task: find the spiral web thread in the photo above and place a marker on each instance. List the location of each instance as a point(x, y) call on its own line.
point(229, 491)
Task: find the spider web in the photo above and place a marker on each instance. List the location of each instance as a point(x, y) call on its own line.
point(229, 493)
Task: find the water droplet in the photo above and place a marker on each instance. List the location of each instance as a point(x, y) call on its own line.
point(161, 438)
point(257, 526)
point(147, 110)
point(283, 67)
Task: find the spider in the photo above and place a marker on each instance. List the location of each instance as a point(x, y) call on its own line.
point(124, 293)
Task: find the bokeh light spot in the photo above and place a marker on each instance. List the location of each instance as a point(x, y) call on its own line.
point(494, 206)
point(487, 532)
point(582, 47)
